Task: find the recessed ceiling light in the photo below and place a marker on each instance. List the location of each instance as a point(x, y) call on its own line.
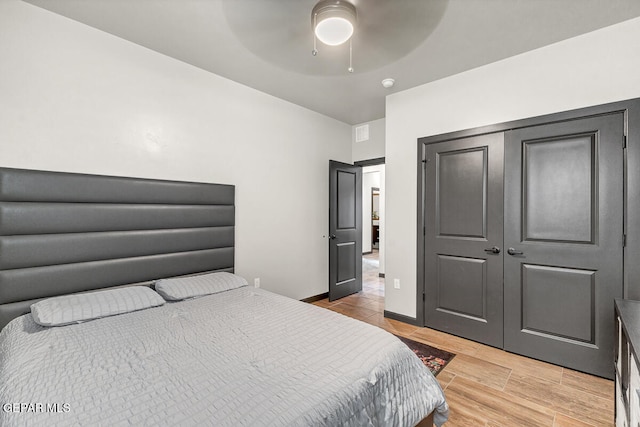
point(388, 83)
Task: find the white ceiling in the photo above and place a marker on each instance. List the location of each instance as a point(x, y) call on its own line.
point(266, 44)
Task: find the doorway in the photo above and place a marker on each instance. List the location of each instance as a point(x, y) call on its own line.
point(373, 229)
point(372, 281)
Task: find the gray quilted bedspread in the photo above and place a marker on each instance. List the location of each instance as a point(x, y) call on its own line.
point(245, 357)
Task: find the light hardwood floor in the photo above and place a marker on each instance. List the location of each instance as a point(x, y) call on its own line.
point(489, 387)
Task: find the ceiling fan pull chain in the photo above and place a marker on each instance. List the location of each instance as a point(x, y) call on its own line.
point(350, 69)
point(314, 52)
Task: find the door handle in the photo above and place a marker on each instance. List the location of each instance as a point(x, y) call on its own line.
point(493, 250)
point(512, 251)
point(333, 236)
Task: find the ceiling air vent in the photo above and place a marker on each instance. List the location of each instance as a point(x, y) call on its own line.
point(362, 133)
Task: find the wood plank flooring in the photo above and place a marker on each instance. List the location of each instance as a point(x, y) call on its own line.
point(489, 387)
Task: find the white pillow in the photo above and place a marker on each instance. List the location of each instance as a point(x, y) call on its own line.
point(68, 309)
point(196, 286)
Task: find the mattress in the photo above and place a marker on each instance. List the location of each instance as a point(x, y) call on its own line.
point(245, 357)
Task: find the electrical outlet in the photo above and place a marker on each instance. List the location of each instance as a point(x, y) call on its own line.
point(396, 283)
point(256, 282)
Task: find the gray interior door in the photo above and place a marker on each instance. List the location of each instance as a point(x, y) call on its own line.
point(345, 229)
point(563, 241)
point(463, 237)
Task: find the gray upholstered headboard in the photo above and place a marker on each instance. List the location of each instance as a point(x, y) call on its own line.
point(62, 233)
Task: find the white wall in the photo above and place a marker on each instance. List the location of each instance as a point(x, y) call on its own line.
point(595, 68)
point(373, 148)
point(383, 221)
point(75, 99)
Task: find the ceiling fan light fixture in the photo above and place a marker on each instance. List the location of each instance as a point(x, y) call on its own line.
point(334, 31)
point(333, 21)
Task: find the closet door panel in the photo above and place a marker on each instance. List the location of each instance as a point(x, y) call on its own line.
point(559, 200)
point(546, 290)
point(563, 241)
point(463, 223)
point(461, 196)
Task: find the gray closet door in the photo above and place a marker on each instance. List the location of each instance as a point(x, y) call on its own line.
point(345, 229)
point(463, 237)
point(564, 241)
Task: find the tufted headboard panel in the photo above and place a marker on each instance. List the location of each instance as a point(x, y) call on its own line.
point(63, 232)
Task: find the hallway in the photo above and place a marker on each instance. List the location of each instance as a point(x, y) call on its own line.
point(372, 283)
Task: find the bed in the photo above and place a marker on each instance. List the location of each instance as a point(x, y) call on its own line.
point(232, 356)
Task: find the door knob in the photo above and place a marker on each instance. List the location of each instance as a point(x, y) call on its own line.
point(333, 236)
point(512, 251)
point(493, 250)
